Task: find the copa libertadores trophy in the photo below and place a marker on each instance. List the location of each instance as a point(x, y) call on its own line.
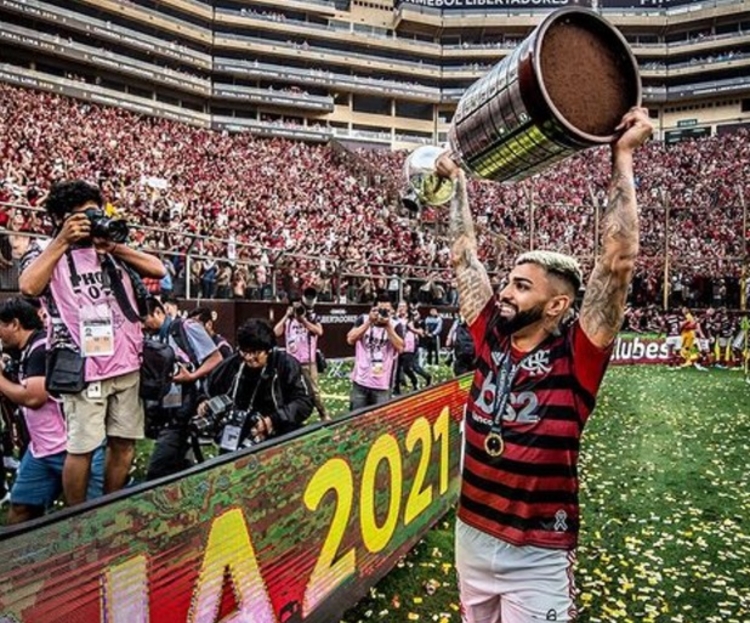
point(563, 89)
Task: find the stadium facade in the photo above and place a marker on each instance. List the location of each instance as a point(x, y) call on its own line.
point(380, 72)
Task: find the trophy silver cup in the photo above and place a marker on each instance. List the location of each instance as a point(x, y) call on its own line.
point(563, 89)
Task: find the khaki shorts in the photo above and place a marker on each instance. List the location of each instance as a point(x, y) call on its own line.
point(117, 412)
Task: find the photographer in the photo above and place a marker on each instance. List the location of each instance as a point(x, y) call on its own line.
point(301, 329)
point(83, 275)
point(265, 389)
point(207, 318)
point(433, 326)
point(378, 340)
point(39, 478)
point(197, 356)
point(408, 364)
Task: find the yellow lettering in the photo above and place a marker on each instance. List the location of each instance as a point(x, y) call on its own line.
point(377, 537)
point(420, 497)
point(230, 548)
point(336, 475)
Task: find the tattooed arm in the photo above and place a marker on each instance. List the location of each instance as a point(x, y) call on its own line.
point(474, 288)
point(603, 305)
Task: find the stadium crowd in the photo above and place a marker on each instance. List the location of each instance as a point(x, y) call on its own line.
point(246, 207)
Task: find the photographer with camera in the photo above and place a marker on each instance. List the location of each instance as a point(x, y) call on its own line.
point(378, 340)
point(258, 393)
point(39, 478)
point(301, 329)
point(196, 356)
point(83, 275)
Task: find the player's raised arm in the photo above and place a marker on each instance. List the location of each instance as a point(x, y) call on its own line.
point(604, 302)
point(474, 288)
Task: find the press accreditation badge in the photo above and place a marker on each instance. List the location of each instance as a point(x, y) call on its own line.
point(230, 438)
point(377, 363)
point(97, 334)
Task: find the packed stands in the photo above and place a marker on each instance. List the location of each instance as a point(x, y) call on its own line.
point(249, 208)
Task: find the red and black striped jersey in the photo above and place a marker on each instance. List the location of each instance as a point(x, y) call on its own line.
point(529, 494)
point(673, 322)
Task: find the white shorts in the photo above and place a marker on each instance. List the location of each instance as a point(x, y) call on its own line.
point(739, 341)
point(503, 583)
point(674, 343)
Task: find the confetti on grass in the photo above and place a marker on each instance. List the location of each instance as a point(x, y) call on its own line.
point(665, 493)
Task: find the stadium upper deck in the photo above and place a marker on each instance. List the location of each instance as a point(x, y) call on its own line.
point(385, 72)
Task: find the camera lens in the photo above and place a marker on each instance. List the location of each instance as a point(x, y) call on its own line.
point(102, 226)
point(117, 230)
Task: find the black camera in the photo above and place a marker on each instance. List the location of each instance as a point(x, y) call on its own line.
point(11, 368)
point(227, 426)
point(102, 226)
point(299, 310)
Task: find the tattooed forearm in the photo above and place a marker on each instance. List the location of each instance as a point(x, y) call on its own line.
point(474, 288)
point(604, 302)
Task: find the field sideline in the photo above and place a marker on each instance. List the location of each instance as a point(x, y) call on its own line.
point(666, 510)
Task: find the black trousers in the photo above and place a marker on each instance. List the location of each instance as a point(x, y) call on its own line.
point(409, 367)
point(431, 345)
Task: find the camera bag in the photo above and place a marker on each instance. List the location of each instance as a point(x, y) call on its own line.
point(65, 370)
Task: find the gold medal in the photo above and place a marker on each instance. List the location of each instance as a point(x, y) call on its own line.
point(494, 444)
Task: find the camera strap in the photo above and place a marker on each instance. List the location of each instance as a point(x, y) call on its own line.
point(110, 279)
point(236, 385)
point(115, 282)
point(75, 278)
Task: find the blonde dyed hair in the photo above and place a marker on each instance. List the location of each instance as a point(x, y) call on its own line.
point(559, 264)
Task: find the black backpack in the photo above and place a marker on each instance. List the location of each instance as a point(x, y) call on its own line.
point(159, 360)
point(157, 368)
point(463, 344)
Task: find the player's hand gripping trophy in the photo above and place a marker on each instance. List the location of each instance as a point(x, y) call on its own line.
point(563, 89)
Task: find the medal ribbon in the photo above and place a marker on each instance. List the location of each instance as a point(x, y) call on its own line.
point(494, 444)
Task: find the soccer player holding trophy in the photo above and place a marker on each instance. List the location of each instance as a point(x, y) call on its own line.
point(537, 376)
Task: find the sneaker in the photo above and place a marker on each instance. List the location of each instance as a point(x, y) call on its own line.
point(701, 368)
point(10, 462)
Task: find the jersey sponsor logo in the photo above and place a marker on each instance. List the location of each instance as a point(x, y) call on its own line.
point(521, 406)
